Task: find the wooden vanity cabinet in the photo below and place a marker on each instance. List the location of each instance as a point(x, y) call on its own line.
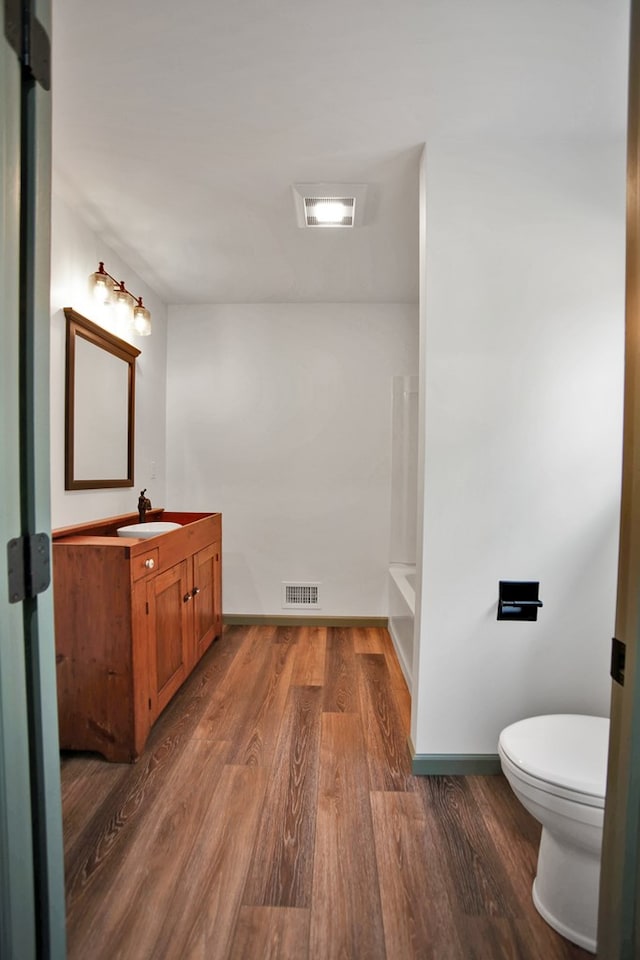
point(133, 617)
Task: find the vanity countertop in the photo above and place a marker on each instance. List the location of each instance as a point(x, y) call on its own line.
point(195, 530)
point(108, 526)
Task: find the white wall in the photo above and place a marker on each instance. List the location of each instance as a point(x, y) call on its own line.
point(404, 470)
point(75, 252)
point(279, 415)
point(522, 322)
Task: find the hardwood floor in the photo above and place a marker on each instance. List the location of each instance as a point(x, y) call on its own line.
point(273, 814)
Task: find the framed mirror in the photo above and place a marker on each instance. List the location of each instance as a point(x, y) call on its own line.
point(99, 406)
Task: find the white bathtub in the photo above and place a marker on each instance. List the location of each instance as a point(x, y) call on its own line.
point(402, 607)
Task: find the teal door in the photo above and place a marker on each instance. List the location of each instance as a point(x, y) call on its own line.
point(31, 864)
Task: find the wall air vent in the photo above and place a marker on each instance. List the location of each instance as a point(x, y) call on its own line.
point(301, 596)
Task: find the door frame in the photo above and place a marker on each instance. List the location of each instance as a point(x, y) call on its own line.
point(619, 881)
point(32, 905)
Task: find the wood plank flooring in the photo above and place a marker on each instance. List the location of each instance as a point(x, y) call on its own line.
point(273, 816)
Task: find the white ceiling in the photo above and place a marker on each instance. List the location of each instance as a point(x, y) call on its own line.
point(179, 128)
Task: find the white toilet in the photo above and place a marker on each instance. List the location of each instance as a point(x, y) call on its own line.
point(557, 767)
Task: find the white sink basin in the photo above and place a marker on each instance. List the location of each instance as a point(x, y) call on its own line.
point(144, 531)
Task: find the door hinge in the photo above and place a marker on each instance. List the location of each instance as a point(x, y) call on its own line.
point(618, 657)
point(29, 566)
point(29, 39)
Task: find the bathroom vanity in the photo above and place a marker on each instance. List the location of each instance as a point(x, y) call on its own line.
point(133, 617)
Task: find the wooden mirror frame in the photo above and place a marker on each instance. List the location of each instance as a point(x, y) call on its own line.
point(79, 326)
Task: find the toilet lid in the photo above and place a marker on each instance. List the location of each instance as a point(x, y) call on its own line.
point(566, 750)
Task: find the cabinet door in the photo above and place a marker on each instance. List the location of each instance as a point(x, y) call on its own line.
point(206, 597)
point(170, 629)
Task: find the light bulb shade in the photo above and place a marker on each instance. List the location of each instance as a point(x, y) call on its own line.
point(141, 319)
point(123, 304)
point(102, 286)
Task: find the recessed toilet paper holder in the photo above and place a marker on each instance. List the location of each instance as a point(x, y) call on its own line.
point(518, 599)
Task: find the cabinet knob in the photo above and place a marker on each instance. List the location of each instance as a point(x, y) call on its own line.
point(150, 563)
point(195, 591)
point(186, 598)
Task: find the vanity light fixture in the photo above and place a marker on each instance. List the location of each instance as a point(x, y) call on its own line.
point(108, 290)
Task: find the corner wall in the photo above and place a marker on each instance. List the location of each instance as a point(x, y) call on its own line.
point(279, 416)
point(522, 326)
point(75, 253)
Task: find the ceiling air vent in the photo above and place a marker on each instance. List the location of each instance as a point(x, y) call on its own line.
point(301, 596)
point(330, 204)
point(329, 211)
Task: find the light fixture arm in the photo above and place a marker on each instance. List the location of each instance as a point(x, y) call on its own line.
point(118, 284)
